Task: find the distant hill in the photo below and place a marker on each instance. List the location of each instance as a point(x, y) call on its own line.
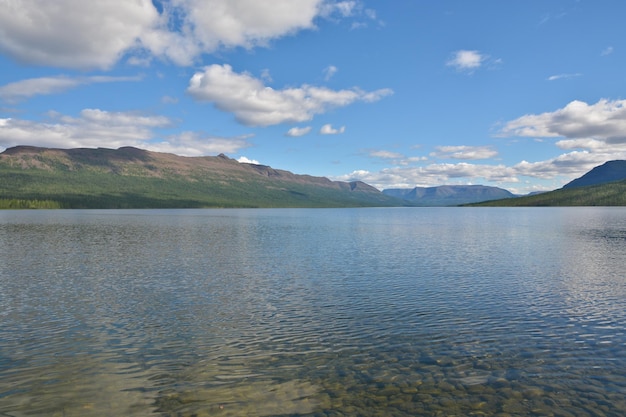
point(604, 185)
point(134, 178)
point(609, 194)
point(448, 195)
point(608, 172)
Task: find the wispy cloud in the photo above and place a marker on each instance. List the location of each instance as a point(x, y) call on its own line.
point(24, 89)
point(563, 76)
point(464, 152)
point(330, 71)
point(169, 100)
point(386, 154)
point(396, 158)
point(607, 51)
point(266, 76)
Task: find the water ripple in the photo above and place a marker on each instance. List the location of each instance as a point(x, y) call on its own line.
point(313, 312)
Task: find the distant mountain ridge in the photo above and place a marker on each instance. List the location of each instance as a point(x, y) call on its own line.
point(604, 185)
point(608, 172)
point(448, 195)
point(134, 178)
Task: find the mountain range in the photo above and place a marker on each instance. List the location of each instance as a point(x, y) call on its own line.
point(134, 178)
point(448, 195)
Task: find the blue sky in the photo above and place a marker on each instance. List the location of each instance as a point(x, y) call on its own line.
point(524, 95)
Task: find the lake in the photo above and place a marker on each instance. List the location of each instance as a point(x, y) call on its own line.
point(313, 312)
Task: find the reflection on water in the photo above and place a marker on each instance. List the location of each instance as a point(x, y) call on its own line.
point(313, 312)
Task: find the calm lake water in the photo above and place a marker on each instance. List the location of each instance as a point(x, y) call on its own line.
point(368, 312)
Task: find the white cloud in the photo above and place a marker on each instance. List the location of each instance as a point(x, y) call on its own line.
point(254, 104)
point(464, 152)
point(24, 89)
point(298, 131)
point(245, 160)
point(464, 60)
point(590, 133)
point(433, 175)
point(593, 144)
point(330, 130)
point(603, 121)
point(555, 171)
point(45, 32)
point(92, 129)
point(566, 166)
point(563, 76)
point(73, 33)
point(246, 23)
point(97, 128)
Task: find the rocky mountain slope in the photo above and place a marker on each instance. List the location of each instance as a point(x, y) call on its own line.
point(131, 177)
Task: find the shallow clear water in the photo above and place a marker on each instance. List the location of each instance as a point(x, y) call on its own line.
point(420, 311)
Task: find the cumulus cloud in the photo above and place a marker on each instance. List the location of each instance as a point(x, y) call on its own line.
point(298, 131)
point(73, 33)
point(254, 104)
point(328, 129)
point(464, 60)
point(20, 90)
point(603, 121)
point(591, 134)
point(207, 26)
point(98, 128)
point(464, 152)
point(87, 35)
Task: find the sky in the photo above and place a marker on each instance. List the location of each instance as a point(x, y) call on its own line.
point(524, 95)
